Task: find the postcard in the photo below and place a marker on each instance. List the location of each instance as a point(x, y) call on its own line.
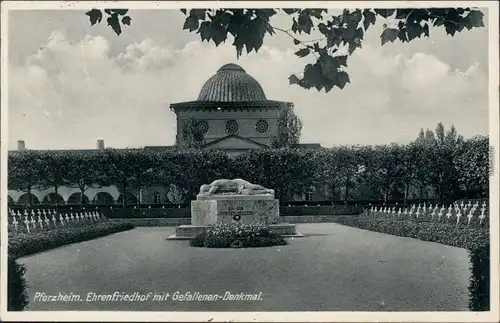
point(250, 161)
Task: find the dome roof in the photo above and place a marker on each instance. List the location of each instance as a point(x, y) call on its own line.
point(231, 84)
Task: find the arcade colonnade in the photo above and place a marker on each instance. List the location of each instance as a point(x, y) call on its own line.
point(70, 195)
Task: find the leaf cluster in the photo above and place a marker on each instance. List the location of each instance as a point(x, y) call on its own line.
point(115, 18)
point(341, 34)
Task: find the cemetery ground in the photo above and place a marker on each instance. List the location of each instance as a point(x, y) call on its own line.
point(332, 268)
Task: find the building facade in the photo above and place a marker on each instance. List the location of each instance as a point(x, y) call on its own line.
point(232, 112)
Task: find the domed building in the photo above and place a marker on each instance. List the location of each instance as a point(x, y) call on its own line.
point(232, 112)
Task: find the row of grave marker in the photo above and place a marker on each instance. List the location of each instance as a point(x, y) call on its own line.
point(48, 219)
point(458, 210)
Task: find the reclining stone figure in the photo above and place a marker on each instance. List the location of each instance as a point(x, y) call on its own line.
point(236, 186)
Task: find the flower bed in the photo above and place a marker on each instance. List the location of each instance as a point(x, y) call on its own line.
point(23, 244)
point(473, 238)
point(235, 235)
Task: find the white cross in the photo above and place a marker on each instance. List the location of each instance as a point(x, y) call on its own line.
point(54, 218)
point(71, 217)
point(448, 215)
point(40, 222)
point(39, 217)
point(459, 215)
point(66, 217)
point(14, 222)
point(33, 222)
point(61, 219)
point(462, 204)
point(27, 223)
point(470, 216)
point(481, 218)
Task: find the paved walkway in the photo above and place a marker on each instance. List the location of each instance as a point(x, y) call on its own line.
point(332, 268)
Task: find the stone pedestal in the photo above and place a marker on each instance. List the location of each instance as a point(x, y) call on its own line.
point(235, 208)
point(245, 209)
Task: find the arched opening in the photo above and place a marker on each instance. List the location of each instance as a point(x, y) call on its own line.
point(131, 199)
point(53, 198)
point(25, 199)
point(103, 198)
point(75, 198)
point(10, 200)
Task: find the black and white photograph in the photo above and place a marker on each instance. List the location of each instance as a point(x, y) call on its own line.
point(250, 161)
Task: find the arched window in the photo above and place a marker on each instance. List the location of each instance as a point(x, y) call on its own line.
point(103, 198)
point(157, 198)
point(53, 198)
point(77, 198)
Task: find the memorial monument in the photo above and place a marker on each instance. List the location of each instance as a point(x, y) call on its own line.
point(236, 201)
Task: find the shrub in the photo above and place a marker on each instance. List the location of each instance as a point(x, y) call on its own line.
point(23, 244)
point(479, 284)
point(16, 289)
point(235, 235)
point(473, 238)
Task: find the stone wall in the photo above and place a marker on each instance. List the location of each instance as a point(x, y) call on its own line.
point(285, 211)
point(165, 222)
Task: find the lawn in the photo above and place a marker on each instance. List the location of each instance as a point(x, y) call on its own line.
point(332, 268)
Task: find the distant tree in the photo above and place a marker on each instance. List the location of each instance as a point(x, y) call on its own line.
point(285, 170)
point(196, 167)
point(55, 169)
point(471, 161)
point(289, 129)
point(142, 164)
point(25, 171)
point(126, 168)
point(348, 159)
point(248, 28)
point(84, 170)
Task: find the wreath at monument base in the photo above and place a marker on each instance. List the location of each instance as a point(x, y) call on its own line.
point(236, 235)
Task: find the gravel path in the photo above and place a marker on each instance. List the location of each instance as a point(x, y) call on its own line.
point(332, 268)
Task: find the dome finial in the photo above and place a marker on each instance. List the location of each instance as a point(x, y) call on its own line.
point(231, 67)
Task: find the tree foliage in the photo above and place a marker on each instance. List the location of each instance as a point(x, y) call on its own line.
point(385, 172)
point(192, 134)
point(341, 34)
point(25, 171)
point(289, 129)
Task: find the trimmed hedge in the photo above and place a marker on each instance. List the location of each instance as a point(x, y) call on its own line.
point(479, 283)
point(23, 244)
point(228, 235)
point(474, 239)
point(16, 286)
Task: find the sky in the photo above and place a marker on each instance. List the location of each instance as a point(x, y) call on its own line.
point(71, 84)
